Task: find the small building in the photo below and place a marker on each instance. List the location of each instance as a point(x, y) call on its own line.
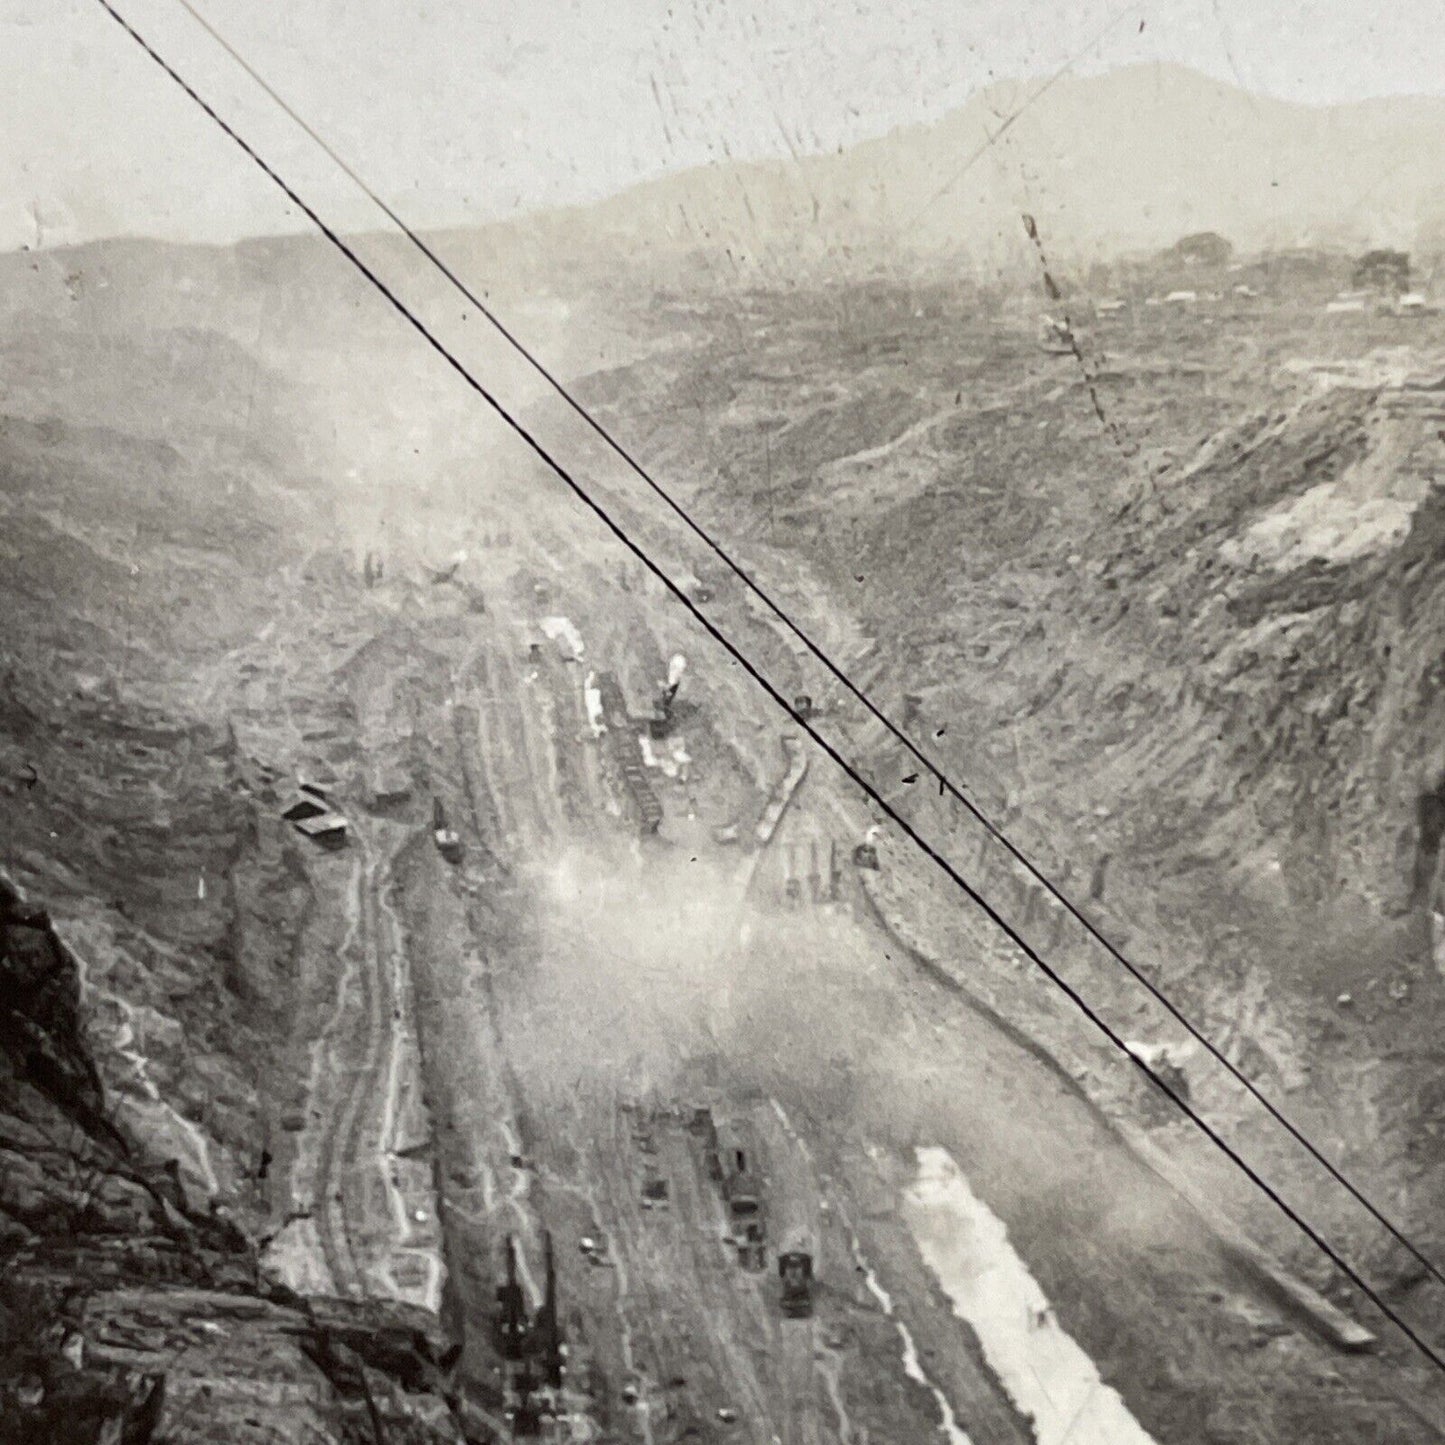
point(313, 818)
point(327, 829)
point(390, 794)
point(389, 779)
point(305, 808)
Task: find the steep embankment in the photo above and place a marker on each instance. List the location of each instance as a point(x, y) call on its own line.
point(1262, 642)
point(167, 651)
point(1300, 569)
point(1226, 724)
point(127, 1311)
point(1191, 659)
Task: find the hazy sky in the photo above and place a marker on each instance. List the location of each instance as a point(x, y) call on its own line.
point(463, 110)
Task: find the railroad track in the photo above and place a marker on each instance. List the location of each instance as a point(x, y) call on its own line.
point(728, 1298)
point(627, 752)
point(487, 744)
point(339, 1213)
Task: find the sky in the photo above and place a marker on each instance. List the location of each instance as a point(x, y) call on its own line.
point(463, 111)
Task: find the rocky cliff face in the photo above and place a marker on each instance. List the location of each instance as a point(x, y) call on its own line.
point(129, 1311)
point(149, 909)
point(1299, 571)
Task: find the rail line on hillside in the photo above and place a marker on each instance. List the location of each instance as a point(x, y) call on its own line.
point(339, 1214)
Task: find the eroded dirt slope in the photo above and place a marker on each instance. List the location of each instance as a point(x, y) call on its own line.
point(320, 1095)
point(1189, 657)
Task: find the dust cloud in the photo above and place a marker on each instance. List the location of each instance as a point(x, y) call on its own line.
point(633, 966)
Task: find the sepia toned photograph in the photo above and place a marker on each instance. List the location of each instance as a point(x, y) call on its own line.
point(722, 722)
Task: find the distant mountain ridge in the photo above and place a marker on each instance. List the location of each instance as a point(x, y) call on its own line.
point(1109, 165)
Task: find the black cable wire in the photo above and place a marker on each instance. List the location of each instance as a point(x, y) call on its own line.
point(945, 783)
point(581, 493)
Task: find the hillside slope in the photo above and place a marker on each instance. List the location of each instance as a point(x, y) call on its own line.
point(150, 908)
point(1190, 659)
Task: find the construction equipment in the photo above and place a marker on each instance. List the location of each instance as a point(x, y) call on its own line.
point(526, 1415)
point(449, 845)
point(795, 1269)
point(729, 1165)
point(824, 870)
point(511, 1322)
point(546, 1327)
point(627, 754)
point(660, 724)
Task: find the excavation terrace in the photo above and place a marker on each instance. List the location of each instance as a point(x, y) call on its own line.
point(449, 999)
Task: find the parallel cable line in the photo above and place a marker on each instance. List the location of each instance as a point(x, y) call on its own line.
point(924, 759)
point(1008, 121)
point(1367, 1290)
